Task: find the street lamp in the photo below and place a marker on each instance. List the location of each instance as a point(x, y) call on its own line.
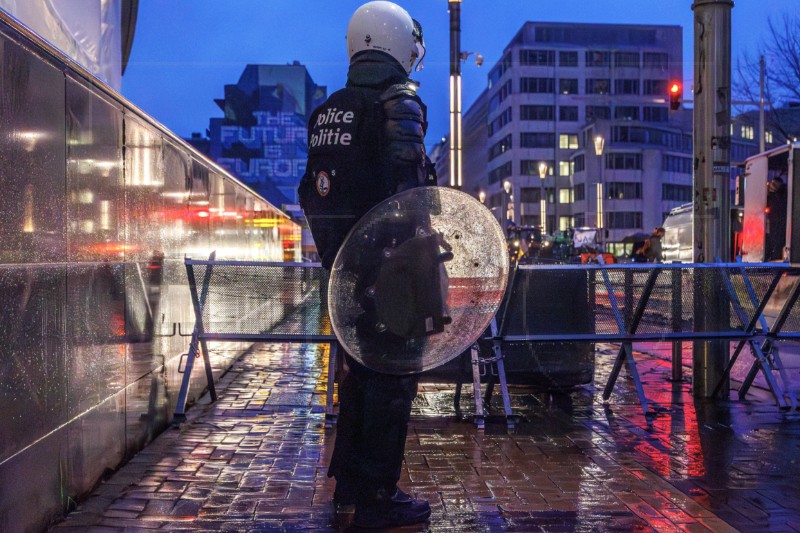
point(509, 205)
point(599, 143)
point(454, 7)
point(543, 198)
point(482, 197)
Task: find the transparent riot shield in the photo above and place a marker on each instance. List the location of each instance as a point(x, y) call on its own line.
point(417, 280)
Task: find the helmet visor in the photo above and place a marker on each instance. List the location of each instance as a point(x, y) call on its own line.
point(419, 43)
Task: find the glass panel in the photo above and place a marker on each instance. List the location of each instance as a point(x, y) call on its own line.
point(144, 180)
point(32, 147)
point(32, 385)
point(94, 176)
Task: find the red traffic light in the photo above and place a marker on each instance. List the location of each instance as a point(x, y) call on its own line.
point(675, 95)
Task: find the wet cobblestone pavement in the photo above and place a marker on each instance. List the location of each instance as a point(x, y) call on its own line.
point(256, 459)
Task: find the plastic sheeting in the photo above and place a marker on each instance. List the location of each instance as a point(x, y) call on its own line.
point(88, 31)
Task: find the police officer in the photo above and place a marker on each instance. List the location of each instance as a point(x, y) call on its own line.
point(366, 143)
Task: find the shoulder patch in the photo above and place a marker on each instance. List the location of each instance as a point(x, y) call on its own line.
point(323, 183)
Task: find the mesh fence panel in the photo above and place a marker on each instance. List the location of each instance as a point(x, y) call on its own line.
point(657, 300)
point(268, 299)
point(556, 301)
point(783, 292)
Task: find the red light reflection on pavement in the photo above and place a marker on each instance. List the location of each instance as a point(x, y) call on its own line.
point(673, 444)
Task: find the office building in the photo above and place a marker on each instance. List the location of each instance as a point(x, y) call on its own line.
point(262, 137)
point(552, 79)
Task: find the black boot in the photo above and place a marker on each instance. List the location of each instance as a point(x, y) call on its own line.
point(391, 510)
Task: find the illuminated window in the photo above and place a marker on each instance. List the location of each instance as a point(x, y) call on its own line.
point(568, 141)
point(768, 136)
point(747, 132)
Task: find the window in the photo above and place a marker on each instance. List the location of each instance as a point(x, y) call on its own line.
point(620, 190)
point(626, 59)
point(498, 123)
point(768, 137)
point(530, 167)
point(579, 164)
point(565, 196)
point(530, 195)
point(537, 140)
point(624, 220)
point(597, 112)
point(551, 195)
point(579, 192)
point(536, 112)
point(635, 134)
point(626, 112)
point(568, 86)
point(598, 59)
point(537, 85)
point(529, 220)
point(565, 222)
point(658, 87)
point(569, 141)
point(499, 70)
point(500, 96)
point(568, 59)
point(658, 60)
point(655, 114)
point(624, 161)
point(568, 113)
point(747, 132)
point(564, 168)
point(580, 220)
point(537, 57)
point(676, 193)
point(500, 173)
point(674, 163)
point(626, 86)
point(500, 147)
point(597, 86)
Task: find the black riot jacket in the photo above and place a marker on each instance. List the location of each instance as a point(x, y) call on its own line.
point(365, 143)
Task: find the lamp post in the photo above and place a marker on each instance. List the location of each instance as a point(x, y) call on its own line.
point(543, 197)
point(599, 143)
point(454, 7)
point(509, 211)
point(482, 197)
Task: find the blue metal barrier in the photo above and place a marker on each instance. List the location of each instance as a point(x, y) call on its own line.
point(572, 305)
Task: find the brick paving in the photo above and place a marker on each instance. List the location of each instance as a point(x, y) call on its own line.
point(256, 459)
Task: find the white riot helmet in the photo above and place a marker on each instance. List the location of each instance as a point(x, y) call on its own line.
point(387, 27)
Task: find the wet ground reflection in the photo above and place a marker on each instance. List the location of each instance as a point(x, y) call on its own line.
point(256, 460)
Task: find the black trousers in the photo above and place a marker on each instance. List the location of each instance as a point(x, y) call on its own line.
point(374, 411)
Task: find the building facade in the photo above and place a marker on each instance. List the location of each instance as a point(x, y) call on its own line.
point(552, 79)
point(262, 137)
point(587, 107)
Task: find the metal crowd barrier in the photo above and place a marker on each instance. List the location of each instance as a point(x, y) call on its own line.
point(620, 303)
point(255, 301)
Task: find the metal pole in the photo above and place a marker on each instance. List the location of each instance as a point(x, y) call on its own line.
point(454, 6)
point(601, 208)
point(677, 319)
point(761, 140)
point(711, 146)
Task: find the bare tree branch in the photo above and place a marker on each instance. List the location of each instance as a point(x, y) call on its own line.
point(781, 51)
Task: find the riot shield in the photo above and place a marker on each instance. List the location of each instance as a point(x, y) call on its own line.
point(417, 280)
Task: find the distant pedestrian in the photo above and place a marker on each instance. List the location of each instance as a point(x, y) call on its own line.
point(649, 251)
point(776, 220)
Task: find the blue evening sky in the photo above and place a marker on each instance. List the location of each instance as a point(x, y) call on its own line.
point(185, 51)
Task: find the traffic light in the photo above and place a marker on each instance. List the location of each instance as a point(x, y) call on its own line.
point(675, 95)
